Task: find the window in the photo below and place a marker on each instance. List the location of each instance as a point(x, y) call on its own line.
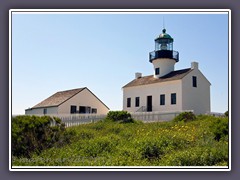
point(128, 102)
point(162, 99)
point(82, 109)
point(44, 111)
point(73, 109)
point(94, 111)
point(173, 98)
point(137, 101)
point(88, 110)
point(156, 71)
point(194, 81)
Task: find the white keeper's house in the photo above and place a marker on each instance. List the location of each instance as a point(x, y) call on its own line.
point(74, 101)
point(167, 90)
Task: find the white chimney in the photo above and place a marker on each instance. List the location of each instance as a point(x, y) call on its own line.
point(194, 65)
point(138, 75)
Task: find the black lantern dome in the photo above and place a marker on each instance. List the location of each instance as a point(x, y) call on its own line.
point(164, 35)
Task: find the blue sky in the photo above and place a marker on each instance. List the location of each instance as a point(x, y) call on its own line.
point(55, 52)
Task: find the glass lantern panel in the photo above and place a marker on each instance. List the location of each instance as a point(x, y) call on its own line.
point(163, 46)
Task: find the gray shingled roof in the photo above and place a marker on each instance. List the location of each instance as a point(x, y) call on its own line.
point(174, 75)
point(58, 98)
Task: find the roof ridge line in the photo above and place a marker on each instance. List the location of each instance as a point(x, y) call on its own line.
point(71, 89)
point(172, 76)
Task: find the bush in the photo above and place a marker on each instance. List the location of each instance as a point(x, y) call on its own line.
point(133, 144)
point(100, 145)
point(198, 156)
point(119, 116)
point(185, 117)
point(151, 150)
point(155, 147)
point(219, 128)
point(226, 113)
point(32, 134)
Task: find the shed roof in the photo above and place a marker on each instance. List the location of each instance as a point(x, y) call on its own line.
point(58, 98)
point(174, 75)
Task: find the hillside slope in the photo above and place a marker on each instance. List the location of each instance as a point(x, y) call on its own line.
point(137, 144)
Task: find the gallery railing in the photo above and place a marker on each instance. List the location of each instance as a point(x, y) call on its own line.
point(164, 54)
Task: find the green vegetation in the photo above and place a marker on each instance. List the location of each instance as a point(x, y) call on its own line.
point(32, 134)
point(226, 113)
point(202, 142)
point(119, 116)
point(219, 128)
point(185, 117)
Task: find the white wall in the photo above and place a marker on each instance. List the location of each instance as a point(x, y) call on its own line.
point(84, 98)
point(196, 98)
point(50, 110)
point(154, 90)
point(165, 66)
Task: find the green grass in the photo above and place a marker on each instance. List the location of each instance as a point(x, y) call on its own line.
point(138, 144)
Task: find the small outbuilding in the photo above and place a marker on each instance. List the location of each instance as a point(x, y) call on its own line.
point(74, 101)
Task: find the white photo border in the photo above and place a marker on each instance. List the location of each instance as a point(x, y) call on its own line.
point(119, 11)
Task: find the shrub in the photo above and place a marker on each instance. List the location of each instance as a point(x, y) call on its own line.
point(32, 134)
point(119, 116)
point(151, 150)
point(185, 117)
point(95, 147)
point(154, 148)
point(99, 126)
point(86, 134)
point(132, 144)
point(226, 113)
point(219, 128)
point(116, 130)
point(198, 156)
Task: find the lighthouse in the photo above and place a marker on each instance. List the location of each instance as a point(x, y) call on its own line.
point(167, 90)
point(164, 57)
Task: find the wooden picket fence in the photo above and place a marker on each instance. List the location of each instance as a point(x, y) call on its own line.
point(156, 116)
point(77, 119)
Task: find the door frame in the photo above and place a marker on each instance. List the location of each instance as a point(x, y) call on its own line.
point(149, 103)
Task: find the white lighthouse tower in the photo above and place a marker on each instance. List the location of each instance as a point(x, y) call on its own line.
point(163, 58)
point(167, 90)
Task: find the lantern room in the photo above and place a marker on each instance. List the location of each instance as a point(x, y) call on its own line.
point(164, 48)
point(164, 42)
